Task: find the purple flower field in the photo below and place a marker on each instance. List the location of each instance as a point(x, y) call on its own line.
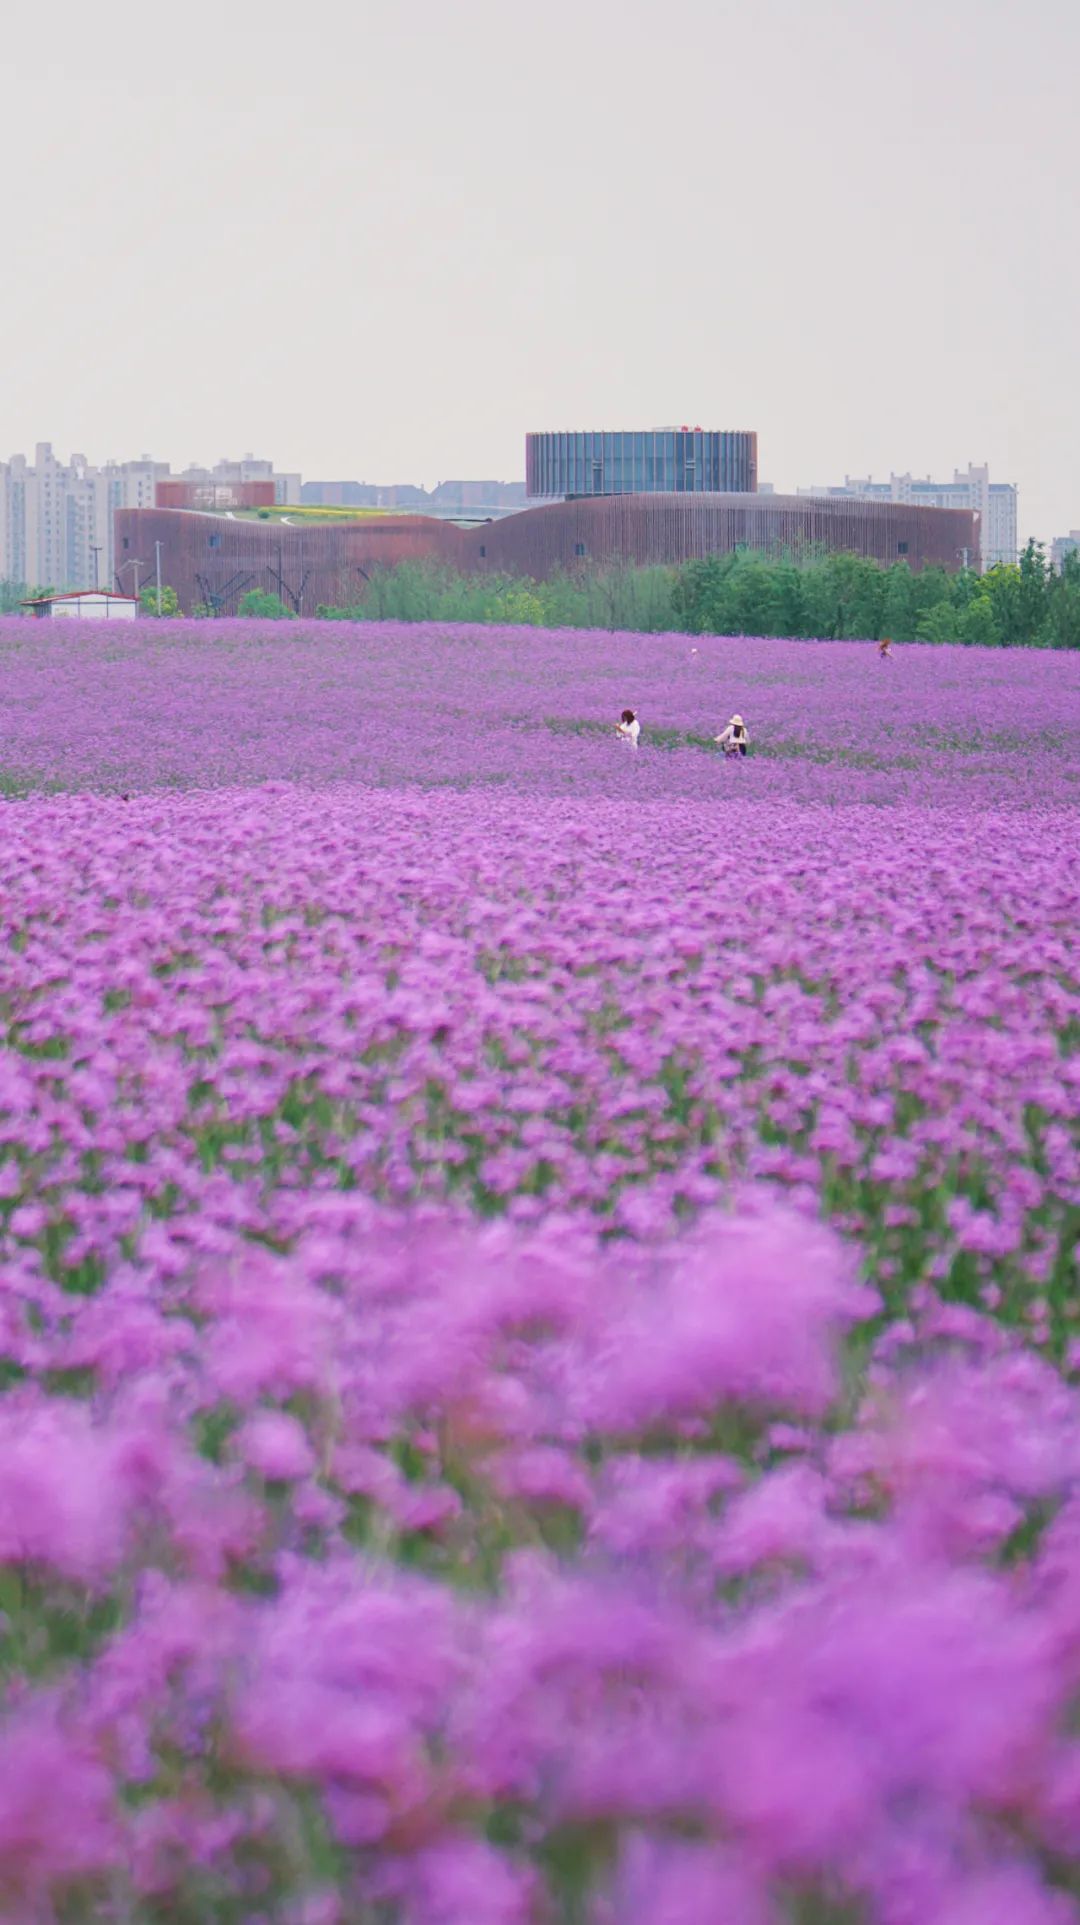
point(539, 1335)
point(222, 704)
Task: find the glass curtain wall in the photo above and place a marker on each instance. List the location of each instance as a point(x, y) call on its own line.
point(661, 461)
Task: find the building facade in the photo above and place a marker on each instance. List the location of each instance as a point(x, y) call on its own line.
point(57, 517)
point(213, 560)
point(654, 461)
point(1064, 545)
point(993, 501)
point(671, 528)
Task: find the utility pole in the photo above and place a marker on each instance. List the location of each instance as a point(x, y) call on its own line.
point(95, 550)
point(157, 558)
point(135, 565)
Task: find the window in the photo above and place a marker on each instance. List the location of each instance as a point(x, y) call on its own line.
point(127, 543)
point(579, 548)
point(901, 547)
point(215, 541)
point(483, 550)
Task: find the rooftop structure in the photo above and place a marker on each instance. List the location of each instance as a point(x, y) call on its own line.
point(244, 474)
point(637, 462)
point(215, 496)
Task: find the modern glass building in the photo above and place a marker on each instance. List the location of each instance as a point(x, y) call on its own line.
point(663, 461)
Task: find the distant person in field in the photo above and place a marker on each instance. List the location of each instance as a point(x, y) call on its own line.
point(884, 649)
point(734, 740)
point(628, 727)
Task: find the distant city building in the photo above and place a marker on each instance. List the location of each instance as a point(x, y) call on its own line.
point(993, 501)
point(660, 461)
point(1064, 545)
point(56, 518)
point(449, 499)
point(477, 497)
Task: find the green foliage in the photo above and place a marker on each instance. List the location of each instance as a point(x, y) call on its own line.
point(842, 597)
point(1063, 604)
point(1020, 595)
point(633, 598)
point(148, 600)
point(977, 623)
point(13, 594)
point(266, 606)
point(937, 623)
point(898, 609)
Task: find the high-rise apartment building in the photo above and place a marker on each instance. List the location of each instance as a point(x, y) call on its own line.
point(993, 501)
point(56, 518)
point(1064, 545)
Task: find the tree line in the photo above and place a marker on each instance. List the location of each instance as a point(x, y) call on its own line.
point(831, 596)
point(1027, 604)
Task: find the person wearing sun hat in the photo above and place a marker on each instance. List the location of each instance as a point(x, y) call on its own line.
point(734, 739)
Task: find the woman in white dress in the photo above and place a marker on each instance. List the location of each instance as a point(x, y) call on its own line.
point(628, 727)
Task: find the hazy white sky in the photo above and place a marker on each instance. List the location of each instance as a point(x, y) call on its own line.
point(382, 240)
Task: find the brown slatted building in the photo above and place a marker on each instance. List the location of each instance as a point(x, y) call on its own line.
point(213, 560)
point(673, 528)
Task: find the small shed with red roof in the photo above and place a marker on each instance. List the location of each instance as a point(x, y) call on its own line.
point(85, 604)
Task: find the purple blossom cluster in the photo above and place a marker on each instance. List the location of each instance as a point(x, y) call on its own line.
point(538, 1324)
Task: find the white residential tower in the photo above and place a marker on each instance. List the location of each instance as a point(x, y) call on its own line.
point(994, 501)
